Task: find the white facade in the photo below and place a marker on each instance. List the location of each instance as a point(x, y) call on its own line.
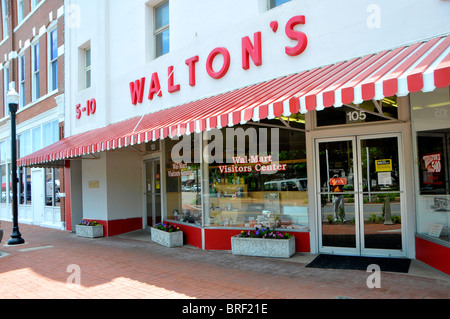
point(120, 34)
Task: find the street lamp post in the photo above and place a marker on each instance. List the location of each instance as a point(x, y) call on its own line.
point(12, 99)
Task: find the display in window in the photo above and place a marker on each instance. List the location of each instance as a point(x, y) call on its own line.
point(183, 185)
point(432, 158)
point(432, 172)
point(268, 189)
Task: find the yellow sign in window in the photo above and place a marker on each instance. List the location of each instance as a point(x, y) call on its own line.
point(383, 165)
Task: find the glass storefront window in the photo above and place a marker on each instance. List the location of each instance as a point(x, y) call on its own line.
point(4, 176)
point(52, 185)
point(257, 179)
point(431, 124)
point(184, 180)
point(24, 187)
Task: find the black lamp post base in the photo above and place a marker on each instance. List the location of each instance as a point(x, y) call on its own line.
point(16, 238)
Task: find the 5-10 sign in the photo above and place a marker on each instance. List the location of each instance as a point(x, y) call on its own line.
point(89, 109)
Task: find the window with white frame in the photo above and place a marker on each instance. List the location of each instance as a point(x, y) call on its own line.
point(53, 60)
point(5, 18)
point(3, 170)
point(50, 133)
point(276, 3)
point(20, 14)
point(87, 68)
point(34, 4)
point(27, 142)
point(24, 186)
point(35, 68)
point(36, 139)
point(52, 187)
point(161, 30)
point(21, 81)
point(23, 174)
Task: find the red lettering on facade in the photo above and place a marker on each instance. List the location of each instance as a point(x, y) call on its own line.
point(191, 64)
point(172, 88)
point(155, 87)
point(137, 91)
point(90, 109)
point(255, 51)
point(296, 35)
point(226, 63)
point(250, 49)
point(78, 111)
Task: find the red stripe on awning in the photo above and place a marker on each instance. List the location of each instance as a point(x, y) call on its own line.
point(420, 66)
point(442, 73)
point(415, 77)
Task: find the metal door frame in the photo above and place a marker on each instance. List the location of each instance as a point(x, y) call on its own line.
point(359, 250)
point(153, 162)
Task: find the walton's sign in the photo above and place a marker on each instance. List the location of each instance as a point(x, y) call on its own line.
point(250, 49)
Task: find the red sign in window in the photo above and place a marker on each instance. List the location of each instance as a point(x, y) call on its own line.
point(338, 181)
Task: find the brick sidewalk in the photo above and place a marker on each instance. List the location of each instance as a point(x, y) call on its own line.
point(122, 268)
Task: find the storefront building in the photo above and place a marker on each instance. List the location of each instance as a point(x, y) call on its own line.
point(32, 51)
point(329, 122)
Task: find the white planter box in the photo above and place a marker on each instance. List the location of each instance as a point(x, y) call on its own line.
point(260, 247)
point(89, 231)
point(174, 239)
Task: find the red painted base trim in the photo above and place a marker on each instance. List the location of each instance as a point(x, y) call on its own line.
point(215, 239)
point(433, 254)
point(220, 239)
point(121, 226)
point(191, 235)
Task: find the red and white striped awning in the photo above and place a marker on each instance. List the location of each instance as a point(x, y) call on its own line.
point(422, 66)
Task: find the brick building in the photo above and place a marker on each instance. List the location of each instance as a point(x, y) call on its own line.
point(32, 59)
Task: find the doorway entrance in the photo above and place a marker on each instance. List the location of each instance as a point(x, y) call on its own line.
point(153, 191)
point(360, 194)
point(37, 196)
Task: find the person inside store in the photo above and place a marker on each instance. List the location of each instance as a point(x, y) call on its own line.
point(337, 187)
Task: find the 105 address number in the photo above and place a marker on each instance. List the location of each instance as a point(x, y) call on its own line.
point(356, 116)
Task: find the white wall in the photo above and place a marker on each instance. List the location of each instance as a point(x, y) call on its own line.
point(119, 193)
point(124, 185)
point(94, 199)
point(119, 35)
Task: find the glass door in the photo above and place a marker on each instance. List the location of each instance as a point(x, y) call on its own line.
point(380, 195)
point(153, 191)
point(336, 194)
point(359, 195)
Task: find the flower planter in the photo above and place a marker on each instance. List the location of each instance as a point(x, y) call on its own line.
point(172, 239)
point(89, 231)
point(261, 247)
